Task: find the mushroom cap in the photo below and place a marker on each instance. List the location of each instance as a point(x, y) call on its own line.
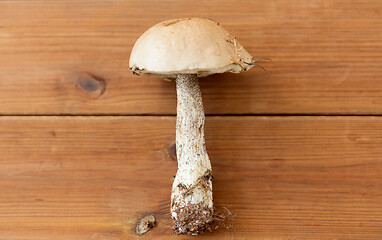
point(188, 46)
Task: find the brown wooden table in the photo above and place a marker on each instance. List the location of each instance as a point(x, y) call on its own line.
point(87, 148)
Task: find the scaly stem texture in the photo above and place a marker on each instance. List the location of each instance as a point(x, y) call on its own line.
point(191, 196)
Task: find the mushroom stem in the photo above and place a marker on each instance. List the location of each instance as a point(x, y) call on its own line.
point(191, 197)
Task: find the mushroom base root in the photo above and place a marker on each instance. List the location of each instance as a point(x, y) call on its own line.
point(192, 219)
point(192, 207)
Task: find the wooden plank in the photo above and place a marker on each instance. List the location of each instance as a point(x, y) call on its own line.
point(327, 57)
point(283, 177)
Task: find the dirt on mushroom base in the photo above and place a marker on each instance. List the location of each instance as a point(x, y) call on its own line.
point(222, 219)
point(193, 219)
point(190, 221)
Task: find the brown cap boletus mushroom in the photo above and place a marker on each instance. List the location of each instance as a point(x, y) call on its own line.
point(185, 49)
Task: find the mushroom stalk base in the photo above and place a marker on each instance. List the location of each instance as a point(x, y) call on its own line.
point(191, 197)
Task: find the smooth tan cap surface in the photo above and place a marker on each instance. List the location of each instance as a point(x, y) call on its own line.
point(190, 45)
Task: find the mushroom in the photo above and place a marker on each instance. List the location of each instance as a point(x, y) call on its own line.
point(185, 49)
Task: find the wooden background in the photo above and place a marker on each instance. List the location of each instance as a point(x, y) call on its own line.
point(87, 148)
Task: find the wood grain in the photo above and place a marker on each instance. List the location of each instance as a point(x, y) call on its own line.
point(71, 57)
point(283, 177)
